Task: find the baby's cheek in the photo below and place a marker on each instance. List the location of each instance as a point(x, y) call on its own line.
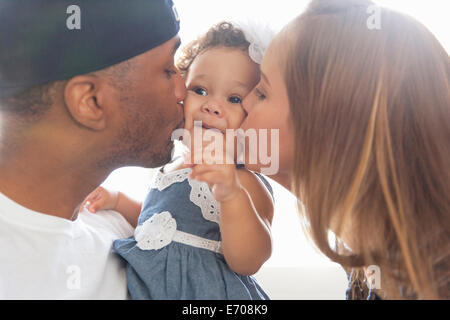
point(189, 106)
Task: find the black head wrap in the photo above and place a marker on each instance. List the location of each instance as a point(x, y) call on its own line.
point(42, 41)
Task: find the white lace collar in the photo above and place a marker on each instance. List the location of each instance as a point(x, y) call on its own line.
point(164, 180)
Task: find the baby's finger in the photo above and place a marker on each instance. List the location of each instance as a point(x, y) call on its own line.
point(95, 205)
point(203, 168)
point(202, 157)
point(196, 156)
point(211, 177)
point(88, 200)
point(188, 122)
point(188, 161)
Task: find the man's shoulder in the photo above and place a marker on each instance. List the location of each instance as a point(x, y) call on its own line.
point(46, 257)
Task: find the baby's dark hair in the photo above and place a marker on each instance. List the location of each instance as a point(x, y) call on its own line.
point(223, 34)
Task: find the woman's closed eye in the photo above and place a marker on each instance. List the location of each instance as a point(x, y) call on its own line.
point(259, 94)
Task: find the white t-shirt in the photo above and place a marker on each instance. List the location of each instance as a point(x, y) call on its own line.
point(47, 257)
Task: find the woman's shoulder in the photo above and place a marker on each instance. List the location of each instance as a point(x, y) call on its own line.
point(252, 179)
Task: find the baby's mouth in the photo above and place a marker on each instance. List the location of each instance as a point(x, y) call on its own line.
point(202, 124)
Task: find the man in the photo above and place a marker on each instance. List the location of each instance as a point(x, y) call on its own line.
point(85, 87)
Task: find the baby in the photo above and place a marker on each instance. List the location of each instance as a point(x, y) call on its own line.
point(203, 229)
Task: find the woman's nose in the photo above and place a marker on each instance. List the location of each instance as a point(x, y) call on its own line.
point(213, 108)
point(248, 102)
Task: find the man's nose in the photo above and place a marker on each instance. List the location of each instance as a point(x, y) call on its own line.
point(180, 87)
point(213, 107)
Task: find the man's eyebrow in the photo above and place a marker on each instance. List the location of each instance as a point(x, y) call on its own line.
point(176, 46)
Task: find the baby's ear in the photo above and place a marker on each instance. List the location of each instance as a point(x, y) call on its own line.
point(84, 98)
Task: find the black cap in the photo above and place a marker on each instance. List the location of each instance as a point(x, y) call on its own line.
point(43, 41)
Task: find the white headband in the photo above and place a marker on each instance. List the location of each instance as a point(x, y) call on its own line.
point(259, 35)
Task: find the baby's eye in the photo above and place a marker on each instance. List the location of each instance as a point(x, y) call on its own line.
point(235, 99)
point(200, 91)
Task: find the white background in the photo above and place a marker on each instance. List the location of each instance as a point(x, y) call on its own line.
point(296, 270)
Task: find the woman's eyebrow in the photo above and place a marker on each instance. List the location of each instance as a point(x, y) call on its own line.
point(265, 78)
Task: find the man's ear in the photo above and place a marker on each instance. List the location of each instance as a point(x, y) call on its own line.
point(85, 101)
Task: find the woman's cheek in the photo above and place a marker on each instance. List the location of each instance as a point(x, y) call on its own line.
point(257, 118)
point(238, 118)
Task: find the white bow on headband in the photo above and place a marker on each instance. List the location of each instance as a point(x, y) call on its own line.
point(259, 35)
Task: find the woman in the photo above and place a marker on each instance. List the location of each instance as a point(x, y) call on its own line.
point(364, 120)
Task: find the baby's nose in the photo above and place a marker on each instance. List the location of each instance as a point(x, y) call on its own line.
point(213, 108)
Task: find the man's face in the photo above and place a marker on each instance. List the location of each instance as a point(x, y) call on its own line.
point(149, 108)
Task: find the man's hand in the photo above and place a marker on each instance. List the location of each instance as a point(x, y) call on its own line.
point(100, 199)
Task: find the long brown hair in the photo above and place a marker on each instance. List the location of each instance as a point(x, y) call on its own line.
point(371, 109)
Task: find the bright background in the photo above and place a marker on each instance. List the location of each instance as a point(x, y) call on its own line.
point(295, 270)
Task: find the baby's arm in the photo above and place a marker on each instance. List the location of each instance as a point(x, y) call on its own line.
point(245, 215)
point(245, 225)
point(103, 199)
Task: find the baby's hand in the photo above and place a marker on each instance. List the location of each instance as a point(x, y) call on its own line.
point(221, 177)
point(100, 199)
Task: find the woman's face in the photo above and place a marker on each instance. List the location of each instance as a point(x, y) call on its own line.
point(267, 107)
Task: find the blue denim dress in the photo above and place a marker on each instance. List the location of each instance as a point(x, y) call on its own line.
point(175, 253)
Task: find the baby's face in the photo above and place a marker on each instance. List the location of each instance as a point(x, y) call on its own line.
point(217, 82)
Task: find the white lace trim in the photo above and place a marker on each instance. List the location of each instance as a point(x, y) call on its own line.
point(196, 241)
point(164, 180)
point(255, 52)
point(201, 196)
point(156, 232)
point(161, 229)
point(259, 34)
